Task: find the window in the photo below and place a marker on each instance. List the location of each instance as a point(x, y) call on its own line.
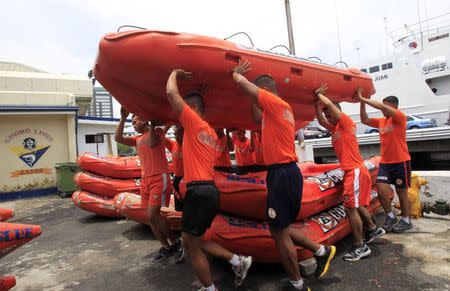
point(364, 70)
point(386, 66)
point(94, 138)
point(374, 69)
point(409, 118)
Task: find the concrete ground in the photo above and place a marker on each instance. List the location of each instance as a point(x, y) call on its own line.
point(80, 251)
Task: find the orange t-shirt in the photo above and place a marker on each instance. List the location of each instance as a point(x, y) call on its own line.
point(278, 126)
point(199, 147)
point(257, 150)
point(345, 144)
point(394, 148)
point(243, 150)
point(177, 156)
point(153, 160)
point(223, 158)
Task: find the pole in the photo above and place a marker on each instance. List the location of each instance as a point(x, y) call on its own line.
point(338, 33)
point(289, 27)
point(420, 26)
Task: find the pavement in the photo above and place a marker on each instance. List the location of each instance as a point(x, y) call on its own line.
point(80, 251)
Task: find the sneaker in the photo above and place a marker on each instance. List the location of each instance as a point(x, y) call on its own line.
point(401, 226)
point(179, 250)
point(163, 254)
point(288, 286)
point(370, 235)
point(357, 252)
point(389, 223)
point(241, 271)
point(323, 262)
point(203, 289)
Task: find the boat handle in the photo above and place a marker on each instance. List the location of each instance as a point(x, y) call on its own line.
point(232, 57)
point(296, 71)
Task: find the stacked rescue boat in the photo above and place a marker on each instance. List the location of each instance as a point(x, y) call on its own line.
point(240, 226)
point(12, 236)
point(102, 179)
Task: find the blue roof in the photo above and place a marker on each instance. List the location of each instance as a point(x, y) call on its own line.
point(36, 108)
point(101, 118)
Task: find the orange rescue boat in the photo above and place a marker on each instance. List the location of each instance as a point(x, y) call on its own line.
point(6, 214)
point(100, 205)
point(252, 237)
point(13, 235)
point(114, 167)
point(138, 79)
point(105, 186)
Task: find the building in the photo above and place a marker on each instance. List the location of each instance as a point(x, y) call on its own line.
point(38, 125)
point(102, 104)
point(96, 135)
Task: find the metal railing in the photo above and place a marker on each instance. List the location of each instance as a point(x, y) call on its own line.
point(425, 134)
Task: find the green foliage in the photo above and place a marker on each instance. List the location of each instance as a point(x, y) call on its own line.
point(124, 150)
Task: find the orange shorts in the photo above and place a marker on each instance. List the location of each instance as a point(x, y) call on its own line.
point(357, 186)
point(156, 190)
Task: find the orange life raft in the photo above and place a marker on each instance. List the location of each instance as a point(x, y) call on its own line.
point(13, 235)
point(7, 282)
point(134, 66)
point(6, 214)
point(105, 186)
point(252, 237)
point(113, 167)
point(129, 205)
point(100, 205)
point(245, 195)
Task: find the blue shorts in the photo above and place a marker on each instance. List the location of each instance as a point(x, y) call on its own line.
point(284, 194)
point(398, 175)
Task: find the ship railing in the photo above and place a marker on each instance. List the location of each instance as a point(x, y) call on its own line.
point(417, 30)
point(414, 135)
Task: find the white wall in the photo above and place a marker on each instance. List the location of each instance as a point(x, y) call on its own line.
point(109, 147)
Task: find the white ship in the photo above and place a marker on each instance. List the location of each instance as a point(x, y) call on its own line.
point(417, 71)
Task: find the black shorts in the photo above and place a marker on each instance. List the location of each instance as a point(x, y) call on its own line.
point(395, 174)
point(201, 205)
point(176, 186)
point(284, 194)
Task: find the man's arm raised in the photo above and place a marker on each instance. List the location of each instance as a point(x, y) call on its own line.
point(238, 76)
point(119, 137)
point(320, 97)
point(365, 119)
point(387, 110)
point(173, 95)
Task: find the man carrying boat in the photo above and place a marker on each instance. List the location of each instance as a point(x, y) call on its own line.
point(201, 202)
point(175, 148)
point(243, 150)
point(357, 181)
point(224, 146)
point(284, 179)
point(395, 164)
point(155, 180)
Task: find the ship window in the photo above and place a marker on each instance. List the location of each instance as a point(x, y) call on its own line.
point(374, 69)
point(94, 138)
point(364, 70)
point(386, 66)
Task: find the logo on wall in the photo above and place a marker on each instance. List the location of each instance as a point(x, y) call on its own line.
point(30, 152)
point(28, 144)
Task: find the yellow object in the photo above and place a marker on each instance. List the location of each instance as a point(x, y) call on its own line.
point(414, 195)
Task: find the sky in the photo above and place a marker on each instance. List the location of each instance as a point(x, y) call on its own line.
point(62, 35)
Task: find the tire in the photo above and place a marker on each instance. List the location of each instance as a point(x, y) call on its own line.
point(373, 131)
point(414, 127)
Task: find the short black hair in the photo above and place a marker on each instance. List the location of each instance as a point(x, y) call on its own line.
point(266, 81)
point(195, 98)
point(391, 99)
